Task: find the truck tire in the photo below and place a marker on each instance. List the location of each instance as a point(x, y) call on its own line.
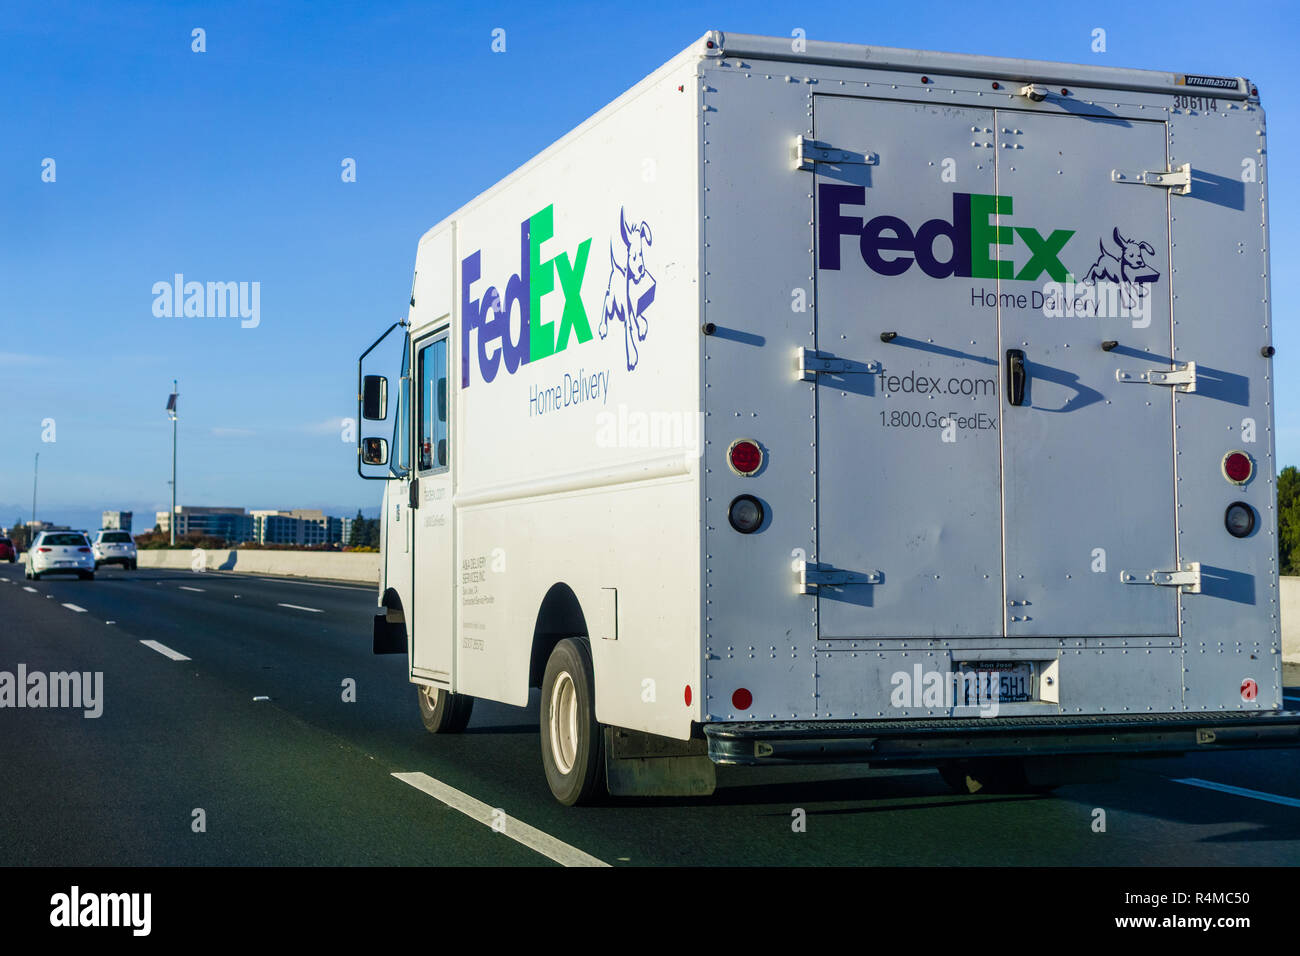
point(573, 743)
point(991, 775)
point(442, 711)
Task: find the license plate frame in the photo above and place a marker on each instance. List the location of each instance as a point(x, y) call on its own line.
point(1017, 682)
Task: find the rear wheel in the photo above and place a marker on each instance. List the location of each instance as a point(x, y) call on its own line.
point(442, 711)
point(130, 565)
point(573, 743)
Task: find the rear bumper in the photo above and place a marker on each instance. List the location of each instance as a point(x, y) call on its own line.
point(930, 741)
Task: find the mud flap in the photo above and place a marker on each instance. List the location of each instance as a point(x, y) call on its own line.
point(646, 765)
point(388, 637)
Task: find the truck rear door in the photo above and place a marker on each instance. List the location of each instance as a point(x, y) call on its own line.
point(990, 458)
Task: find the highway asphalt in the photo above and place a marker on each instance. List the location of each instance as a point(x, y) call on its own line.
point(254, 731)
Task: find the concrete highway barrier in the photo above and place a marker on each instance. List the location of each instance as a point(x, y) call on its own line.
point(359, 566)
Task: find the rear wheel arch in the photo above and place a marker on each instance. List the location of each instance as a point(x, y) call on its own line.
point(559, 616)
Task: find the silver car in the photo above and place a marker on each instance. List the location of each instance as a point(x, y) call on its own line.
point(60, 552)
point(114, 547)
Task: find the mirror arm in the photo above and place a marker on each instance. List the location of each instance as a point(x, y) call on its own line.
point(374, 345)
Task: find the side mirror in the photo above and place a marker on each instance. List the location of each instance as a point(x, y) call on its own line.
point(374, 399)
point(374, 451)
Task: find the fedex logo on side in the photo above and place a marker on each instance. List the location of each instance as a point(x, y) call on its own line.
point(974, 239)
point(486, 320)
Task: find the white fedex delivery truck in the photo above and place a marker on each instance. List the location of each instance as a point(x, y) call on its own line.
point(820, 402)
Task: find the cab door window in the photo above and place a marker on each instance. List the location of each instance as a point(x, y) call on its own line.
point(433, 436)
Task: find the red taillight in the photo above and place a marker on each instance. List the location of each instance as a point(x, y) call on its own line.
point(688, 695)
point(742, 699)
point(87, 550)
point(745, 456)
point(1237, 467)
point(43, 550)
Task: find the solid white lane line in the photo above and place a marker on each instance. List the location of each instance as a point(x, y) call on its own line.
point(312, 584)
point(184, 588)
point(73, 607)
point(543, 843)
point(299, 607)
point(164, 650)
point(33, 590)
point(1239, 791)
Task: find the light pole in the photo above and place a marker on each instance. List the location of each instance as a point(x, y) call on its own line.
point(36, 466)
point(171, 411)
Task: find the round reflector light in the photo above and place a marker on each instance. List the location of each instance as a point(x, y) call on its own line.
point(744, 456)
point(745, 514)
point(742, 699)
point(1239, 519)
point(1237, 467)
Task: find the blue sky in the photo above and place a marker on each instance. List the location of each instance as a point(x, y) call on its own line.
point(225, 165)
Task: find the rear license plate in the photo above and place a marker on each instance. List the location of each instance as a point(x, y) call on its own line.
point(64, 564)
point(1007, 682)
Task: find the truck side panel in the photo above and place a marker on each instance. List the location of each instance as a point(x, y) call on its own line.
point(578, 430)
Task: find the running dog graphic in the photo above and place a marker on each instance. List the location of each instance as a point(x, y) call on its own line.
point(1126, 268)
point(631, 288)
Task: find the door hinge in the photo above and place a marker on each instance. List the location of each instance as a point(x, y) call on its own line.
point(1177, 180)
point(1181, 377)
point(809, 362)
point(807, 152)
point(1188, 579)
point(813, 575)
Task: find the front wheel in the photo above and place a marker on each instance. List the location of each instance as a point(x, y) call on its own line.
point(573, 743)
point(442, 711)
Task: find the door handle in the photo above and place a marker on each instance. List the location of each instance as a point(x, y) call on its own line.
point(413, 498)
point(1017, 375)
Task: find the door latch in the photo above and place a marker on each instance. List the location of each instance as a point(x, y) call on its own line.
point(809, 362)
point(1178, 180)
point(813, 576)
point(1182, 377)
point(1188, 579)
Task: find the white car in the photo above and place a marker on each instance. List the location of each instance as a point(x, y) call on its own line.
point(114, 547)
point(60, 552)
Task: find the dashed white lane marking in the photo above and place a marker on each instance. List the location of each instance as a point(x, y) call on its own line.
point(543, 843)
point(185, 588)
point(164, 650)
point(299, 607)
point(1239, 791)
point(33, 590)
point(73, 607)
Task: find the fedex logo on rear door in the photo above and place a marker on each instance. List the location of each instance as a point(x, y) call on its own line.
point(485, 319)
point(890, 245)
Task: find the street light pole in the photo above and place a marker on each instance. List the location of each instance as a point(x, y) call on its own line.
point(171, 409)
point(36, 465)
